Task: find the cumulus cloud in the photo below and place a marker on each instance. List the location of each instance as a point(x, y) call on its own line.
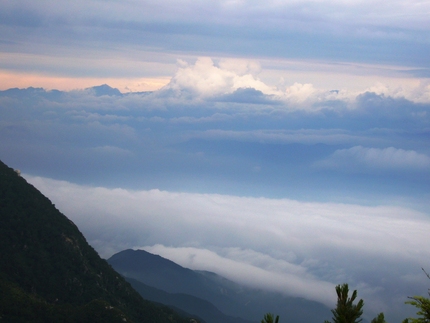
point(334, 31)
point(206, 79)
point(419, 92)
point(299, 248)
point(361, 158)
point(300, 92)
point(237, 81)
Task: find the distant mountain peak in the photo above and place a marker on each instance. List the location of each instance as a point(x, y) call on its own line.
point(105, 89)
point(230, 298)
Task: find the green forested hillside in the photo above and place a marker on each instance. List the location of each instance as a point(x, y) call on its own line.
point(49, 273)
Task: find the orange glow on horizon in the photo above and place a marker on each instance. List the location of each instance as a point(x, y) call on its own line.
point(16, 80)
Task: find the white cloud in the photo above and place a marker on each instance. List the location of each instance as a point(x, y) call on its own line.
point(361, 158)
point(206, 79)
point(419, 92)
point(138, 44)
point(240, 66)
point(300, 92)
point(305, 248)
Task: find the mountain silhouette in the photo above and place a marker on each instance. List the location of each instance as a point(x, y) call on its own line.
point(230, 298)
point(48, 271)
point(105, 89)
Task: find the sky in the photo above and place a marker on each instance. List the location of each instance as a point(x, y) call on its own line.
point(281, 144)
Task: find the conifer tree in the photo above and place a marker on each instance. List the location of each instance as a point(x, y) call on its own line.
point(380, 318)
point(346, 311)
point(423, 304)
point(270, 318)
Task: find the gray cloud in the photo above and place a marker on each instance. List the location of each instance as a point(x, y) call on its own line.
point(303, 136)
point(365, 31)
point(323, 14)
point(360, 158)
point(169, 140)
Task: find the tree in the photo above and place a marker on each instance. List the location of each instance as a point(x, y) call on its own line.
point(423, 304)
point(268, 318)
point(346, 311)
point(379, 319)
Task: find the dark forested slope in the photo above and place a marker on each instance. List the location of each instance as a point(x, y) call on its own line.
point(233, 300)
point(49, 273)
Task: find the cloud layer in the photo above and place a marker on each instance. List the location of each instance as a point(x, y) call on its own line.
point(362, 158)
point(301, 249)
point(206, 78)
point(284, 139)
point(217, 127)
point(135, 44)
point(298, 187)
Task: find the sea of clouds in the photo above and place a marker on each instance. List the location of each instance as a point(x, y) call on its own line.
point(291, 188)
point(302, 249)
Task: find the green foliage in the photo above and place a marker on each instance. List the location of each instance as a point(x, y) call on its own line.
point(17, 305)
point(423, 306)
point(270, 318)
point(379, 319)
point(346, 311)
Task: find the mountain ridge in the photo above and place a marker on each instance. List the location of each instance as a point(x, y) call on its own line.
point(232, 299)
point(191, 304)
point(48, 271)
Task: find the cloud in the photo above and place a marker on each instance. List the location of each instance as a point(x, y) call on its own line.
point(111, 150)
point(227, 143)
point(138, 45)
point(268, 274)
point(306, 247)
point(397, 15)
point(279, 85)
point(216, 117)
point(303, 136)
point(206, 79)
point(238, 82)
point(360, 158)
point(247, 95)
